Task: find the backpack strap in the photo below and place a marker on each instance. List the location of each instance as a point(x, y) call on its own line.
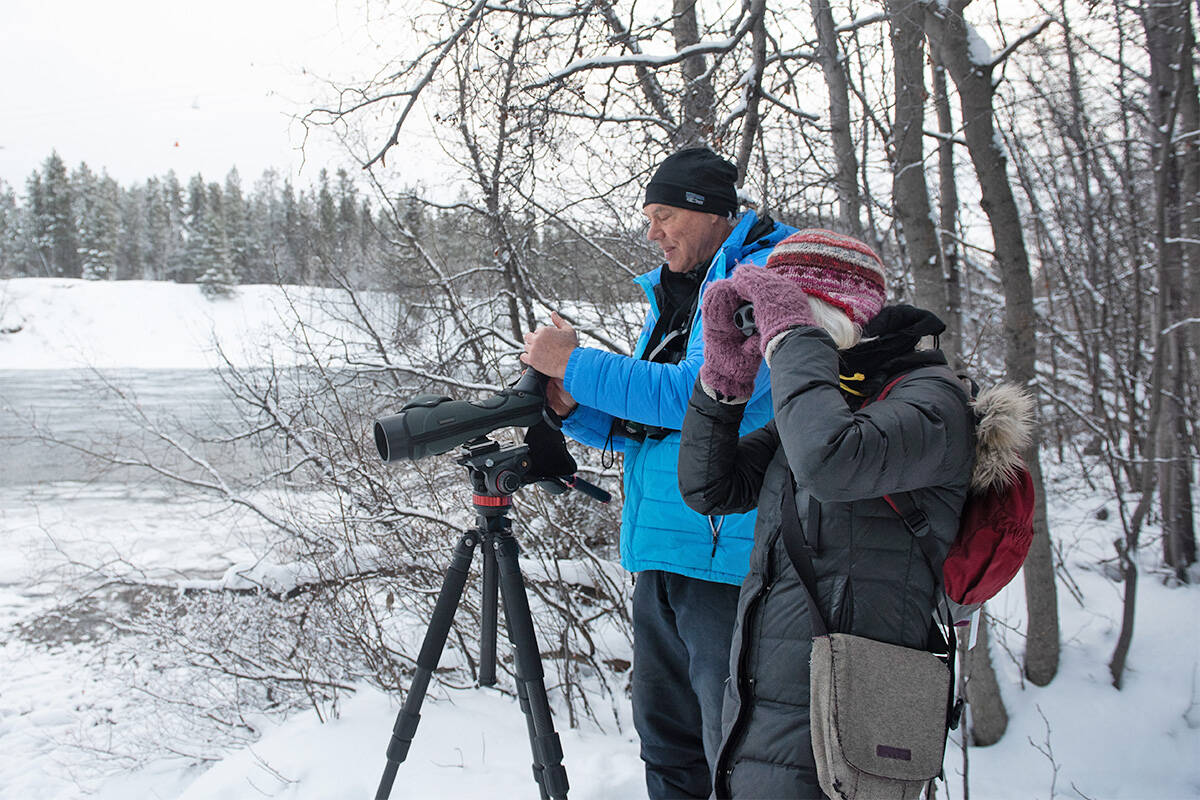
point(890, 385)
point(915, 520)
point(917, 524)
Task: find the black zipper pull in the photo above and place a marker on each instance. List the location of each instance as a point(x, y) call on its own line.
point(716, 533)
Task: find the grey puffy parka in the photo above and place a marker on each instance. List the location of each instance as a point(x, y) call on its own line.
point(872, 578)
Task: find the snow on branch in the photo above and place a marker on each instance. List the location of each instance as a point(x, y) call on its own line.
point(792, 55)
point(1176, 325)
point(523, 11)
point(945, 137)
point(287, 581)
point(644, 59)
point(793, 110)
point(1184, 136)
point(627, 119)
point(980, 53)
point(862, 22)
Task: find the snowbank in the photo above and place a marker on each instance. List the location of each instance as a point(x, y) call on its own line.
point(60, 323)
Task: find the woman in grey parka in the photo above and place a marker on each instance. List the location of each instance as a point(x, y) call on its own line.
point(818, 293)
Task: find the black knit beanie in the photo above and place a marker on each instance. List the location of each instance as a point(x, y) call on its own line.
point(696, 178)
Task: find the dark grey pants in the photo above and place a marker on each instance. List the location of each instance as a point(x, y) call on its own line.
point(681, 632)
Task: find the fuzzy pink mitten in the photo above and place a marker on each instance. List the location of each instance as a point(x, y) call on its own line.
point(779, 302)
point(731, 359)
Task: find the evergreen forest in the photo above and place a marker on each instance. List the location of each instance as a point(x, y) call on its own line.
point(75, 223)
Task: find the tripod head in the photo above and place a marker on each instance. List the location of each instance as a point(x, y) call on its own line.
point(497, 471)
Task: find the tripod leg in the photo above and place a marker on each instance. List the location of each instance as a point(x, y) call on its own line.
point(547, 748)
point(427, 661)
point(531, 729)
point(523, 697)
point(488, 613)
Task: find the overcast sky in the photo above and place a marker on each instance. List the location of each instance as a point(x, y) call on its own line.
point(138, 87)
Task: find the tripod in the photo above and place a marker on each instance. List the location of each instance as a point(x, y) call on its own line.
point(495, 473)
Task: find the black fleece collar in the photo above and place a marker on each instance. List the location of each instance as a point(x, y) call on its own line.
point(889, 348)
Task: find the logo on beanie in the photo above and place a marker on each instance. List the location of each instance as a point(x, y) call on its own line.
point(692, 197)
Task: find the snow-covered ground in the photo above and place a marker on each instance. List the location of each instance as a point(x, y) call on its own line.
point(1078, 737)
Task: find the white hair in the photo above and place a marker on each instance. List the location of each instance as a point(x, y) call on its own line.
point(835, 322)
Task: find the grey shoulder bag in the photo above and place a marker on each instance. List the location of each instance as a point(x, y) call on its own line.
point(878, 711)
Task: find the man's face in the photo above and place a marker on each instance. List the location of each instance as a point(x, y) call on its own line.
point(686, 237)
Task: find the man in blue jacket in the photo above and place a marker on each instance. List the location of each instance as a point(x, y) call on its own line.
point(689, 566)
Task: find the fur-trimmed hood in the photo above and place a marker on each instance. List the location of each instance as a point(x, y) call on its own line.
point(1004, 428)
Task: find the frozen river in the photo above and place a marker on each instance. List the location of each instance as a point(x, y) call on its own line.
point(64, 516)
point(98, 410)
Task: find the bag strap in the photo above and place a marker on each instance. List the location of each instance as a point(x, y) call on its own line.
point(800, 552)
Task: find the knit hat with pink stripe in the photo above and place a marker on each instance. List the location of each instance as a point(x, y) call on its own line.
point(839, 269)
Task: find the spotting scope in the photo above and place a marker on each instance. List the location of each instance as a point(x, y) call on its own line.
point(431, 424)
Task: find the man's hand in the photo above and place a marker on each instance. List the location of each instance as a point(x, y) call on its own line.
point(559, 400)
point(549, 348)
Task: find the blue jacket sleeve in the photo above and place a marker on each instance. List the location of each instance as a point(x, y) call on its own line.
point(591, 427)
point(632, 389)
point(629, 388)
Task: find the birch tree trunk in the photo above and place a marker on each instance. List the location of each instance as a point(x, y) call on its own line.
point(952, 40)
point(1076, 134)
point(948, 218)
point(989, 718)
point(1170, 43)
point(752, 92)
point(910, 193)
point(1189, 155)
point(834, 67)
point(696, 120)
